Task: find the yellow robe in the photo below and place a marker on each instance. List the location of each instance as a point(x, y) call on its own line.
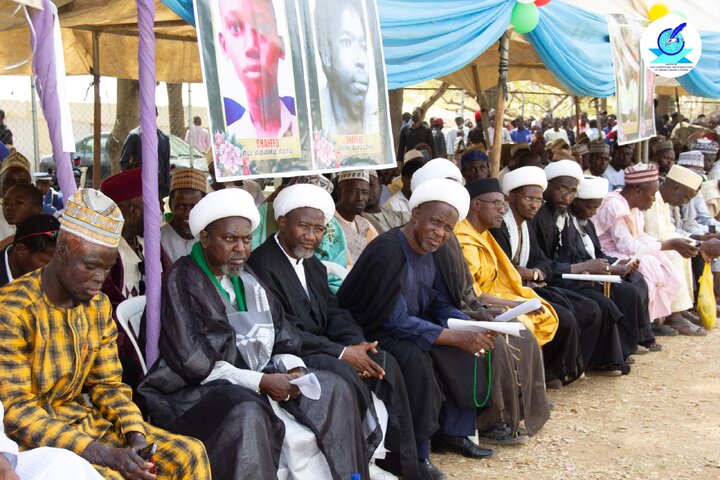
point(494, 274)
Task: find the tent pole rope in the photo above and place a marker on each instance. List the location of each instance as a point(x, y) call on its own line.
point(500, 106)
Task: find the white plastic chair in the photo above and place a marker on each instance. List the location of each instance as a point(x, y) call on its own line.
point(128, 315)
point(336, 269)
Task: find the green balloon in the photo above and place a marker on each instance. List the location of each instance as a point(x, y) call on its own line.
point(679, 13)
point(525, 17)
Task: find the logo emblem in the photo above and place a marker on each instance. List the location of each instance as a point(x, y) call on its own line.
point(670, 46)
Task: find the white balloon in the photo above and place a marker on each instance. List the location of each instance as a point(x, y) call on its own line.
point(526, 1)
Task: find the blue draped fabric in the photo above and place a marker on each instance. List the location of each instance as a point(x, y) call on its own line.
point(704, 79)
point(574, 45)
point(425, 39)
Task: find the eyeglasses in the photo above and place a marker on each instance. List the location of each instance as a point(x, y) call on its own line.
point(51, 234)
point(534, 200)
point(499, 204)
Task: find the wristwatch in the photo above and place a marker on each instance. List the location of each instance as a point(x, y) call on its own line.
point(536, 275)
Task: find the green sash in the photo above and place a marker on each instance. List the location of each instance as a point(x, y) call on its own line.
point(199, 257)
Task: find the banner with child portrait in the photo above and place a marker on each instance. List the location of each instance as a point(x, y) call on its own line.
point(294, 87)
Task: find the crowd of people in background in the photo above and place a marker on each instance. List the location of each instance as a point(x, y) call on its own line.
point(306, 333)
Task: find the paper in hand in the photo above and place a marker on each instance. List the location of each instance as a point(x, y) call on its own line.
point(586, 277)
point(309, 386)
point(509, 328)
point(522, 309)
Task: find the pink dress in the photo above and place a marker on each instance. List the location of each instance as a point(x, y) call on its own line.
point(622, 235)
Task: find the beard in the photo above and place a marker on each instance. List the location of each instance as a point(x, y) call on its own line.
point(229, 271)
point(301, 252)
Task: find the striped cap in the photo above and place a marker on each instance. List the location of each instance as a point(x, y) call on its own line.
point(15, 160)
point(318, 180)
point(692, 159)
point(599, 147)
point(580, 149)
point(641, 173)
point(519, 147)
point(354, 175)
point(662, 145)
point(92, 216)
point(191, 178)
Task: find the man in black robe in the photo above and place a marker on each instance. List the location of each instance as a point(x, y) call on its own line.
point(583, 244)
point(331, 339)
point(398, 295)
point(227, 360)
point(549, 224)
point(568, 354)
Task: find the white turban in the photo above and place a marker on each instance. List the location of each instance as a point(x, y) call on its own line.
point(522, 177)
point(564, 168)
point(442, 190)
point(437, 168)
point(592, 188)
point(304, 195)
point(685, 176)
point(228, 202)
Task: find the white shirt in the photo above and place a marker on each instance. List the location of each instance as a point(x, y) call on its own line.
point(551, 135)
point(297, 265)
point(7, 265)
point(175, 245)
point(615, 178)
point(505, 136)
point(200, 138)
point(6, 230)
point(398, 203)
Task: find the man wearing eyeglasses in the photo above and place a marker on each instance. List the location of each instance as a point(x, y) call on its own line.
point(33, 247)
point(127, 276)
point(551, 225)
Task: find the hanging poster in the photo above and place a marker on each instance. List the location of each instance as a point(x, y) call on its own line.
point(634, 82)
point(291, 90)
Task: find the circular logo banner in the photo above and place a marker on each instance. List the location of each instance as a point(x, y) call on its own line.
point(671, 46)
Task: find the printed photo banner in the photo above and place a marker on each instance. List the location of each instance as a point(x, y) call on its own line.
point(634, 82)
point(294, 86)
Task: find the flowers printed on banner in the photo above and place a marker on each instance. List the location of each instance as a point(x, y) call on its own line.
point(231, 158)
point(324, 151)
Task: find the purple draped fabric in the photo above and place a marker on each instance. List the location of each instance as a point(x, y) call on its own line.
point(43, 65)
point(148, 123)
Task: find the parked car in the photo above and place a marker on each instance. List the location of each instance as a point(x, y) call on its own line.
point(83, 156)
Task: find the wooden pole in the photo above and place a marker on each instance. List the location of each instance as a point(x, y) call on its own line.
point(577, 116)
point(482, 103)
point(97, 112)
point(677, 102)
point(500, 107)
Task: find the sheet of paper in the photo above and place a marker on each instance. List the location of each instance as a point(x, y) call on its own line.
point(510, 328)
point(584, 277)
point(308, 385)
point(522, 309)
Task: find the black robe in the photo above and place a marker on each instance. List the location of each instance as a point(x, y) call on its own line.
point(568, 355)
point(608, 350)
point(371, 291)
point(242, 435)
point(631, 296)
point(326, 329)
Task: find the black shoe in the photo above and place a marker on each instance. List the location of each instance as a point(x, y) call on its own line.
point(429, 471)
point(461, 445)
point(501, 435)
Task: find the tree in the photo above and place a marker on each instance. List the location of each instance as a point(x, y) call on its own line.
point(127, 117)
point(175, 109)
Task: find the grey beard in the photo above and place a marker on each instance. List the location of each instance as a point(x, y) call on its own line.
point(303, 253)
point(232, 271)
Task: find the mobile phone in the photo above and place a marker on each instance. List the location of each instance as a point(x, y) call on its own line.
point(711, 229)
point(147, 452)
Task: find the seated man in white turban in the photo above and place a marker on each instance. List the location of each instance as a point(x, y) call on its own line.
point(59, 342)
point(227, 360)
point(331, 339)
point(407, 311)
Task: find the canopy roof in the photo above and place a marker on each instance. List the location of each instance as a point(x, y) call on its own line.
point(558, 53)
point(116, 20)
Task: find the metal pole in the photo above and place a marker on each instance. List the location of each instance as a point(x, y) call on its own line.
point(500, 107)
point(522, 107)
point(97, 112)
point(577, 117)
point(36, 138)
point(482, 103)
point(190, 124)
point(462, 106)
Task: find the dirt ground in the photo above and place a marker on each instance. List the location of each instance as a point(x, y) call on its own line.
point(660, 422)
